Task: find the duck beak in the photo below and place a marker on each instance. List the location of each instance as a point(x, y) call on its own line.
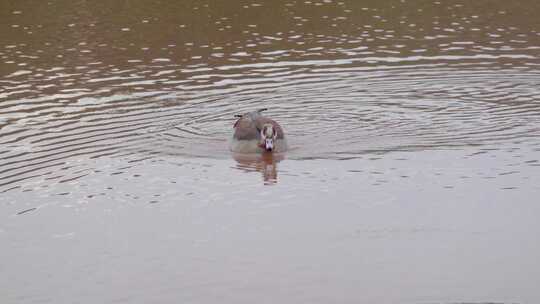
point(269, 144)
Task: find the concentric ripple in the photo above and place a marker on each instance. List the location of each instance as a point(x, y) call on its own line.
point(341, 85)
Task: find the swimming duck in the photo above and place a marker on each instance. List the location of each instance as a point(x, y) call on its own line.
point(254, 133)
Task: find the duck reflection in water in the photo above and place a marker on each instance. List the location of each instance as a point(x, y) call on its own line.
point(266, 163)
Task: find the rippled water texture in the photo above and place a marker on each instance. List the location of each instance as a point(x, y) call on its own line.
point(412, 175)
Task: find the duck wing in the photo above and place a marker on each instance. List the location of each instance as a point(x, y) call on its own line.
point(245, 129)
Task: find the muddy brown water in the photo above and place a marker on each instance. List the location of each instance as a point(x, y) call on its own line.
point(413, 174)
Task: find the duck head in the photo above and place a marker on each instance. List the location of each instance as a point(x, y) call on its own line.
point(268, 137)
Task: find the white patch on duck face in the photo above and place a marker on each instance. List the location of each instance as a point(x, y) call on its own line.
point(269, 144)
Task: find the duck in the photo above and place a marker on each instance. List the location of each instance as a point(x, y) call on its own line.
point(255, 133)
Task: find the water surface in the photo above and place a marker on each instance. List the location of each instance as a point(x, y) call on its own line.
point(412, 176)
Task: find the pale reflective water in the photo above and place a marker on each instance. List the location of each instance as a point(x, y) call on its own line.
point(412, 176)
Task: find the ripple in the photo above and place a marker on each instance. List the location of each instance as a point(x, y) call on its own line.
point(339, 88)
point(335, 113)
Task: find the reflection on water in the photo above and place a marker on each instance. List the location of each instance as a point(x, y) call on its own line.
point(265, 163)
point(419, 117)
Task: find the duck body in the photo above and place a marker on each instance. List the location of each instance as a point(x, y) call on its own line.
point(255, 133)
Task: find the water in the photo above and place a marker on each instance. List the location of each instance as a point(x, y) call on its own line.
point(412, 176)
